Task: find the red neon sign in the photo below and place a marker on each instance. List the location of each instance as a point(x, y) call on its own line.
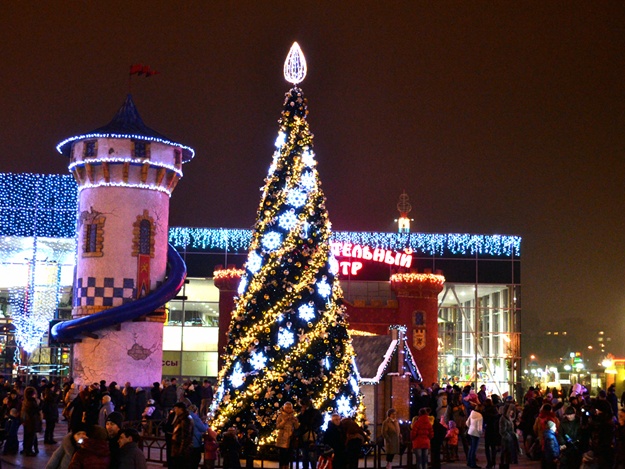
point(356, 251)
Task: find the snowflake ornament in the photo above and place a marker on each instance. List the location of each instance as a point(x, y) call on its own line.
point(287, 220)
point(258, 360)
point(324, 288)
point(238, 377)
point(306, 312)
point(344, 407)
point(254, 262)
point(285, 338)
point(272, 240)
point(296, 198)
point(309, 182)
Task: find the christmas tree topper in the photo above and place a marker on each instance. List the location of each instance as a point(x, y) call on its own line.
point(295, 65)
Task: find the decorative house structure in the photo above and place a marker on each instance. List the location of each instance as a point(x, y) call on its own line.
point(387, 369)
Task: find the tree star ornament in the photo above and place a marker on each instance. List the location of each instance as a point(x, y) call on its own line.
point(295, 65)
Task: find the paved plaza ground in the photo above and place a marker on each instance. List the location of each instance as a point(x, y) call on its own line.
point(45, 451)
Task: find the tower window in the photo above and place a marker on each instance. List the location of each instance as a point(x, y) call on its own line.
point(93, 236)
point(145, 233)
point(140, 149)
point(91, 149)
point(177, 157)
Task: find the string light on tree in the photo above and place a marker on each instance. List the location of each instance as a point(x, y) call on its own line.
point(288, 334)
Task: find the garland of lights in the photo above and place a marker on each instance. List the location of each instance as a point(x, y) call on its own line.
point(430, 244)
point(56, 217)
point(124, 137)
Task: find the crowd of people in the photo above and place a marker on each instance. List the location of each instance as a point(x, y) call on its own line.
point(560, 429)
point(106, 424)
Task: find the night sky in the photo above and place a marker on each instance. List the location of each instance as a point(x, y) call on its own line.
point(495, 117)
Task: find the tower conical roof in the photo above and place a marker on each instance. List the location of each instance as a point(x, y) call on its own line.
point(126, 123)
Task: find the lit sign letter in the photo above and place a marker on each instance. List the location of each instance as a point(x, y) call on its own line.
point(406, 260)
point(366, 254)
point(378, 255)
point(336, 249)
point(347, 250)
point(388, 258)
point(344, 267)
point(356, 266)
point(357, 251)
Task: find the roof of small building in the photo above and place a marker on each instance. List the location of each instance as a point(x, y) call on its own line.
point(374, 355)
point(126, 123)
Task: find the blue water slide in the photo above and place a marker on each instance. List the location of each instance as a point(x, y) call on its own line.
point(68, 331)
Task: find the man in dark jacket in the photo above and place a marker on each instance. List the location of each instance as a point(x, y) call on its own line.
point(168, 397)
point(310, 420)
point(130, 456)
point(113, 429)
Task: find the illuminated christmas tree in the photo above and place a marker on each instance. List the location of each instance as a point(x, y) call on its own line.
point(288, 336)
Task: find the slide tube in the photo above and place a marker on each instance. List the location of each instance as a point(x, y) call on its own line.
point(71, 329)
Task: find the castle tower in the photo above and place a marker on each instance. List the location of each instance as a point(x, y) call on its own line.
point(417, 297)
point(126, 173)
point(228, 281)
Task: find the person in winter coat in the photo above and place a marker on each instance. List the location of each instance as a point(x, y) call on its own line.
point(129, 406)
point(11, 426)
point(509, 440)
point(181, 438)
point(94, 451)
point(456, 412)
point(63, 455)
point(31, 420)
point(107, 408)
point(570, 437)
point(50, 408)
point(130, 455)
point(551, 447)
point(420, 434)
point(392, 436)
point(334, 437)
point(310, 420)
point(249, 446)
point(619, 440)
point(436, 443)
point(210, 448)
point(451, 438)
point(230, 449)
point(474, 431)
point(492, 438)
point(354, 438)
point(286, 424)
point(199, 428)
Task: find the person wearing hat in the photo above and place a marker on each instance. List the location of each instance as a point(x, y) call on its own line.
point(181, 438)
point(570, 433)
point(114, 423)
point(551, 447)
point(93, 451)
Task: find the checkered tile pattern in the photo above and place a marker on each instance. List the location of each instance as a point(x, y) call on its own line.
point(104, 291)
